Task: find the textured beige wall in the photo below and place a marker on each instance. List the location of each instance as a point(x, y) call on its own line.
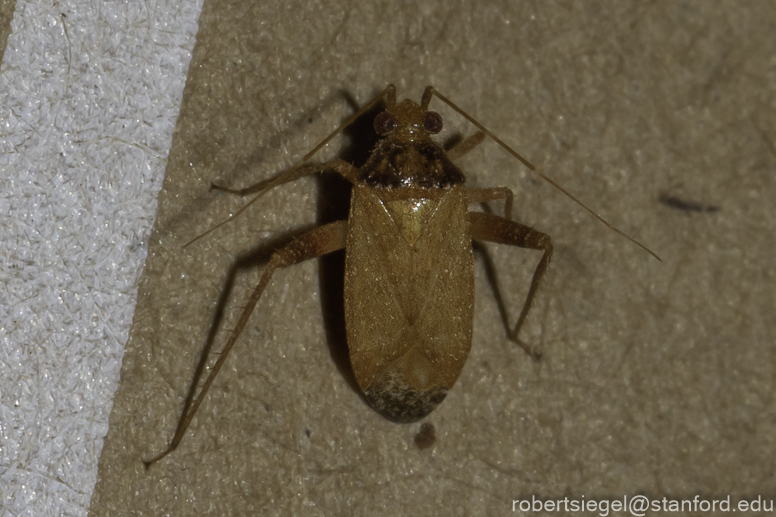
point(657, 378)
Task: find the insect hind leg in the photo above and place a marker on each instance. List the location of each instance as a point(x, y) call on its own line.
point(488, 227)
point(318, 241)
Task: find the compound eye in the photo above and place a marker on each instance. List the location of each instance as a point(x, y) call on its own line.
point(433, 122)
point(385, 123)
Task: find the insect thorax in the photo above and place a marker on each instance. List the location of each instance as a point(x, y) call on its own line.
point(417, 164)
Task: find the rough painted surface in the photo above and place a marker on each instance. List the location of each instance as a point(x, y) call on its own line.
point(655, 378)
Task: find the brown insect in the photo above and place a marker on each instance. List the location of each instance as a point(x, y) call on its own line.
point(409, 277)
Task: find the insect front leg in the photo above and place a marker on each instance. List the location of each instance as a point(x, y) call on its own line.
point(318, 241)
point(488, 227)
point(301, 171)
point(462, 148)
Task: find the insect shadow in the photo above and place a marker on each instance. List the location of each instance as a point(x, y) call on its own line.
point(333, 204)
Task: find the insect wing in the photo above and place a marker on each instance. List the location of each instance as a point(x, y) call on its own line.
point(409, 297)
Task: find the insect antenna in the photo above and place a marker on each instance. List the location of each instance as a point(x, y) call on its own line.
point(427, 98)
point(389, 93)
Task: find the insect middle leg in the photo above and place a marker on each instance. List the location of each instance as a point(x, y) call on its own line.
point(489, 227)
point(314, 243)
point(483, 195)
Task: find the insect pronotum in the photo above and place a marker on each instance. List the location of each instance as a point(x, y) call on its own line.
point(409, 278)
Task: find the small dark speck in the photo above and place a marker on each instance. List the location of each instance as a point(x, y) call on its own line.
point(426, 437)
point(310, 120)
point(684, 205)
point(307, 432)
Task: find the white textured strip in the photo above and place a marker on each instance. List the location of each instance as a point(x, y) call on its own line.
point(89, 94)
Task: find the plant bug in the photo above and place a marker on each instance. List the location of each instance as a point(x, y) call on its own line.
point(409, 273)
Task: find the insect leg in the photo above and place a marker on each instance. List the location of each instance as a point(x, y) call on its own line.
point(488, 227)
point(342, 167)
point(461, 148)
point(308, 169)
point(483, 195)
point(318, 241)
point(302, 171)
